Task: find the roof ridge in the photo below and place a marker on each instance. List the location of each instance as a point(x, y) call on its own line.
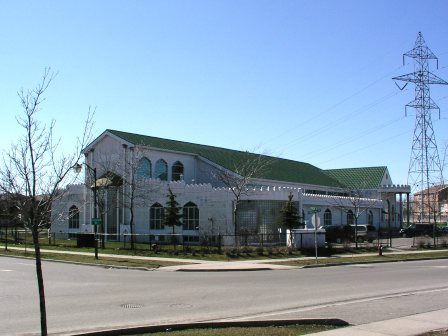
point(186, 142)
point(369, 167)
point(280, 169)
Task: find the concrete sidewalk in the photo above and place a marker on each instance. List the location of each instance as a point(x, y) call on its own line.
point(404, 326)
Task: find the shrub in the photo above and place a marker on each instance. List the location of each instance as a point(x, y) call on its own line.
point(232, 252)
point(347, 245)
point(420, 243)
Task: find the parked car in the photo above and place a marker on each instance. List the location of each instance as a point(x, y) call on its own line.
point(416, 230)
point(336, 233)
point(364, 232)
point(443, 230)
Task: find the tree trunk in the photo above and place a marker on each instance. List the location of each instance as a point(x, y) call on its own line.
point(6, 239)
point(235, 224)
point(131, 227)
point(40, 284)
point(173, 238)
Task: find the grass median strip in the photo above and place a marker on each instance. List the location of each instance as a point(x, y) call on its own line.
point(126, 260)
point(110, 261)
point(363, 259)
point(289, 330)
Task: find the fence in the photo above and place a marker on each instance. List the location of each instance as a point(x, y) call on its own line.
point(23, 237)
point(146, 241)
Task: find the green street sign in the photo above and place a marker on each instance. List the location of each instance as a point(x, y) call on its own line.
point(96, 221)
point(314, 210)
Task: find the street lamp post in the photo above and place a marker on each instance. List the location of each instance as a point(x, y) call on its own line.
point(77, 167)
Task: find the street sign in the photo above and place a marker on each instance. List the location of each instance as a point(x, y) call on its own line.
point(314, 210)
point(96, 221)
point(315, 220)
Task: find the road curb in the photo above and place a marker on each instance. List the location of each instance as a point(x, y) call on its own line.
point(369, 262)
point(226, 269)
point(208, 325)
point(81, 263)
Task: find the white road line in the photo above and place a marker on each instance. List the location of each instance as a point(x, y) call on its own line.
point(334, 304)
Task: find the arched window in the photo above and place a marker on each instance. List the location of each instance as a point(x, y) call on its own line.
point(370, 217)
point(161, 171)
point(156, 217)
point(144, 168)
point(73, 217)
point(327, 217)
point(350, 217)
point(177, 171)
point(190, 216)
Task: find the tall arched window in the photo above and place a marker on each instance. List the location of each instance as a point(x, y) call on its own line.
point(370, 217)
point(156, 217)
point(350, 217)
point(144, 168)
point(327, 217)
point(73, 217)
point(177, 171)
point(161, 170)
point(190, 216)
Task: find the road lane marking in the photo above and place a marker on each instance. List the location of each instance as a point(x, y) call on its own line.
point(335, 304)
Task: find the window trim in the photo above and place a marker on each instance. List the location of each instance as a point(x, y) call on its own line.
point(156, 217)
point(158, 173)
point(178, 174)
point(73, 217)
point(140, 172)
point(190, 213)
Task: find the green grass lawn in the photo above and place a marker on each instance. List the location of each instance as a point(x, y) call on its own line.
point(364, 259)
point(355, 256)
point(181, 252)
point(117, 262)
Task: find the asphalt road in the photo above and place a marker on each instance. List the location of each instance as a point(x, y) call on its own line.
point(86, 298)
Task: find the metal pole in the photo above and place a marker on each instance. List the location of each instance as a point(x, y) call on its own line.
point(95, 211)
point(315, 233)
point(6, 237)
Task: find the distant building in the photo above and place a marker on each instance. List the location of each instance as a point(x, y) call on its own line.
point(430, 205)
point(146, 167)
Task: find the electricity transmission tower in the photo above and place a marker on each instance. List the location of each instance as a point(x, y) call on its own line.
point(425, 170)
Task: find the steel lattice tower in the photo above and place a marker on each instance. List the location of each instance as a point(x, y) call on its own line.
point(425, 169)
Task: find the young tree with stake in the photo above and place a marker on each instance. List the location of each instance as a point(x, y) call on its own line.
point(31, 169)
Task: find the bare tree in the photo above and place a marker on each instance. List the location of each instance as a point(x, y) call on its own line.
point(136, 185)
point(355, 203)
point(241, 177)
point(32, 170)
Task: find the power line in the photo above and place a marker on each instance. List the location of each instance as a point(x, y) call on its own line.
point(341, 102)
point(311, 135)
point(353, 138)
point(364, 147)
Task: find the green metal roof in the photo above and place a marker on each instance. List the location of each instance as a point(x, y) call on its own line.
point(278, 169)
point(363, 178)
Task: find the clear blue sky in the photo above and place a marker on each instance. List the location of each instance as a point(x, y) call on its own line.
point(306, 80)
